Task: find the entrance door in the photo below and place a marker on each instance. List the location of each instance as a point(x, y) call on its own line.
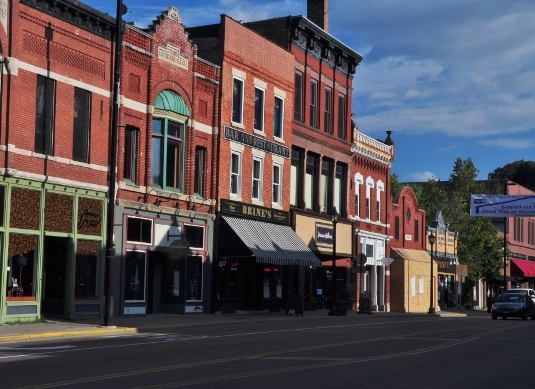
point(54, 293)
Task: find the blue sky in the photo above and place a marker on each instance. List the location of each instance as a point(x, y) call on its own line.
point(450, 79)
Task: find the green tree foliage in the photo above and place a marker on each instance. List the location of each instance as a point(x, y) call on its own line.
point(395, 185)
point(479, 245)
point(522, 172)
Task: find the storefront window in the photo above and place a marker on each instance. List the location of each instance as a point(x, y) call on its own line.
point(272, 282)
point(194, 280)
point(134, 276)
point(86, 269)
point(195, 236)
point(22, 267)
point(2, 190)
point(171, 280)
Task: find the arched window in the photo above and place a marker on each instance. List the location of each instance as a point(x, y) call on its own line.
point(168, 135)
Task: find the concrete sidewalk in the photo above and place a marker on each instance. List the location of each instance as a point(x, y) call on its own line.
point(54, 328)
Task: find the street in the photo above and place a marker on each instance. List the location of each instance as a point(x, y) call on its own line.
point(369, 351)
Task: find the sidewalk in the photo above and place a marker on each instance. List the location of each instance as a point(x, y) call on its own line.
point(53, 328)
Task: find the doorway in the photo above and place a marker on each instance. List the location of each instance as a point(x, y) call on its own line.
point(54, 293)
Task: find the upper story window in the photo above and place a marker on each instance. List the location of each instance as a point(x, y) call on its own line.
point(168, 140)
point(342, 119)
point(296, 187)
point(277, 184)
point(45, 115)
point(130, 153)
point(259, 109)
point(359, 183)
point(311, 181)
point(200, 171)
point(82, 125)
point(235, 173)
point(258, 171)
point(314, 103)
point(518, 230)
point(139, 230)
point(278, 117)
point(326, 185)
point(298, 97)
point(339, 197)
point(167, 153)
point(237, 101)
point(327, 114)
point(369, 186)
point(380, 190)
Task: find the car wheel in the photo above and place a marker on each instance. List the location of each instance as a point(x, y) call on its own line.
point(494, 317)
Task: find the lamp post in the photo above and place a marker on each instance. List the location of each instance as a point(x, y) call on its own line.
point(432, 240)
point(334, 311)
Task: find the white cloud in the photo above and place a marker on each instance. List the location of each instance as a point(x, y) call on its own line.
point(418, 177)
point(509, 143)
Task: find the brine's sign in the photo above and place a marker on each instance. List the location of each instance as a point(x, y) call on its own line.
point(502, 206)
point(256, 142)
point(237, 208)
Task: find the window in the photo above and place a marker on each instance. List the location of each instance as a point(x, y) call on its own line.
point(82, 125)
point(327, 113)
point(278, 117)
point(138, 230)
point(200, 170)
point(167, 153)
point(359, 182)
point(342, 116)
point(257, 178)
point(259, 109)
point(21, 281)
point(237, 101)
point(86, 269)
point(340, 189)
point(277, 184)
point(194, 278)
point(326, 185)
point(380, 190)
point(135, 276)
point(235, 173)
point(2, 208)
point(296, 187)
point(130, 154)
point(531, 231)
point(44, 115)
point(311, 176)
point(314, 103)
point(396, 227)
point(416, 230)
point(194, 236)
point(369, 186)
point(298, 96)
point(518, 230)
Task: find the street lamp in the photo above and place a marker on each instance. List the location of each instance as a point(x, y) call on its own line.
point(334, 310)
point(432, 240)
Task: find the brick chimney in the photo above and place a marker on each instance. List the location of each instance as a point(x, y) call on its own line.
point(318, 13)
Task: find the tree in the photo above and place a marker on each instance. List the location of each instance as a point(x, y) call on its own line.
point(479, 244)
point(522, 172)
point(395, 185)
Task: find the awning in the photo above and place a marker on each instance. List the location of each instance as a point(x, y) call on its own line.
point(523, 268)
point(273, 243)
point(411, 255)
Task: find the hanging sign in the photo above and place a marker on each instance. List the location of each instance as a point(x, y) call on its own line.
point(502, 206)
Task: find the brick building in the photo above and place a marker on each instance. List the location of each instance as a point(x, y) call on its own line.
point(55, 117)
point(323, 69)
point(259, 257)
point(164, 214)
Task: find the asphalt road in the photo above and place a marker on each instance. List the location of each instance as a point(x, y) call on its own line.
point(335, 352)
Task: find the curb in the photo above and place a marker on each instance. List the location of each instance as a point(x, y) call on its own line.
point(64, 334)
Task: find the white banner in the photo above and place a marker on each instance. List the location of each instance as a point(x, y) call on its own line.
point(502, 205)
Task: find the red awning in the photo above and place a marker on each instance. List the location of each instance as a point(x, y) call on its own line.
point(523, 268)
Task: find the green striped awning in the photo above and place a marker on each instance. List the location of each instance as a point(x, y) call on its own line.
point(171, 101)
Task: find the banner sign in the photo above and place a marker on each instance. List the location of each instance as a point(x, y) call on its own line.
point(502, 205)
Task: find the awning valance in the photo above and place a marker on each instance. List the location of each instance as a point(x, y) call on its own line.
point(273, 243)
point(523, 268)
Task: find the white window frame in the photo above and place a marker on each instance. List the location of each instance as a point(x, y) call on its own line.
point(257, 179)
point(277, 183)
point(237, 175)
point(359, 181)
point(280, 121)
point(369, 186)
point(259, 126)
point(240, 80)
point(380, 188)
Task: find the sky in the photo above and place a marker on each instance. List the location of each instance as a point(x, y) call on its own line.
point(451, 79)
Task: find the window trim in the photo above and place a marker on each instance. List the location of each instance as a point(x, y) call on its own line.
point(237, 174)
point(257, 180)
point(277, 183)
point(166, 140)
point(313, 103)
point(327, 113)
point(136, 242)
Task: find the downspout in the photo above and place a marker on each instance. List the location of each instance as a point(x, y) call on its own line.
point(5, 62)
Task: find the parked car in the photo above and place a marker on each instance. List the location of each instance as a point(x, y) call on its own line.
point(513, 305)
point(528, 291)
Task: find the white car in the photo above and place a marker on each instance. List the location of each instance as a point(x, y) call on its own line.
point(527, 291)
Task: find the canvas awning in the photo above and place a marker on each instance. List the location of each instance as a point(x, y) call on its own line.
point(272, 243)
point(523, 268)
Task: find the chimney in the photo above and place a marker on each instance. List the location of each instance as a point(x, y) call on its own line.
point(318, 13)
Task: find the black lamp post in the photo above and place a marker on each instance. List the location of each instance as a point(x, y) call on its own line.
point(432, 240)
point(334, 310)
